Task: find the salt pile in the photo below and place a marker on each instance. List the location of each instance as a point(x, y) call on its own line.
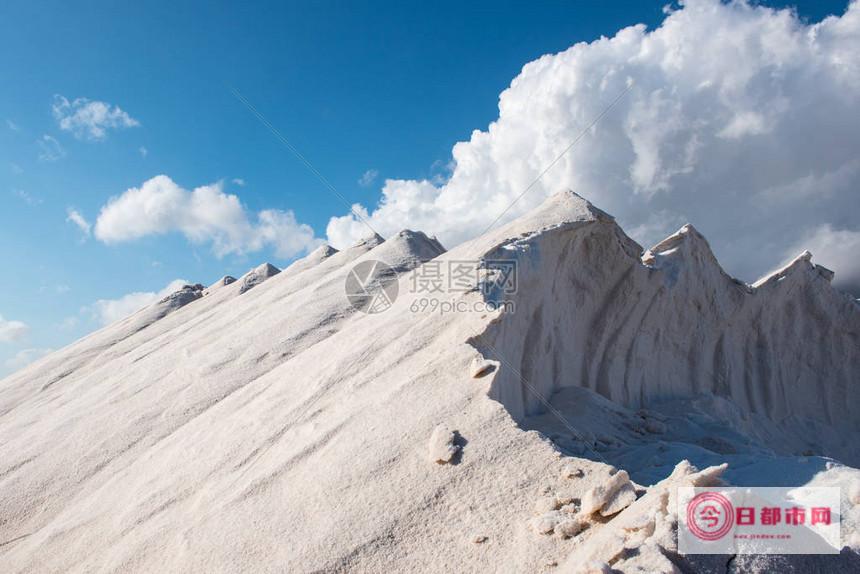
point(270, 426)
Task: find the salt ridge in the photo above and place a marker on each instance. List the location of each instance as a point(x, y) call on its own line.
point(280, 429)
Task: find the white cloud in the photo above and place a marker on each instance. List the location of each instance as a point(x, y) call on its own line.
point(24, 357)
point(834, 249)
point(50, 149)
point(107, 311)
point(75, 216)
point(239, 181)
point(15, 168)
point(143, 151)
point(12, 331)
point(90, 119)
point(205, 214)
point(368, 177)
point(26, 197)
point(12, 126)
point(741, 119)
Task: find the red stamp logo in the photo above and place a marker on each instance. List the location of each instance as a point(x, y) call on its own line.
point(759, 520)
point(710, 516)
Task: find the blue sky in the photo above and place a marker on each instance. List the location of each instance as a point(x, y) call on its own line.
point(382, 86)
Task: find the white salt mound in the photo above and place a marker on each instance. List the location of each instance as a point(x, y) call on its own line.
point(271, 427)
point(257, 275)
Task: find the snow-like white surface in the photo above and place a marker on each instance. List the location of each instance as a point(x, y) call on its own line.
point(277, 429)
point(590, 313)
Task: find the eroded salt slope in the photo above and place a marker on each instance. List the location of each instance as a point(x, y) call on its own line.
point(590, 313)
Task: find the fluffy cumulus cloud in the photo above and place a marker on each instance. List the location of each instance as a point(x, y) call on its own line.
point(739, 119)
point(90, 119)
point(106, 311)
point(204, 215)
point(12, 331)
point(24, 357)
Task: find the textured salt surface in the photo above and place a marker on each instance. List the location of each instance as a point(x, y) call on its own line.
point(276, 429)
